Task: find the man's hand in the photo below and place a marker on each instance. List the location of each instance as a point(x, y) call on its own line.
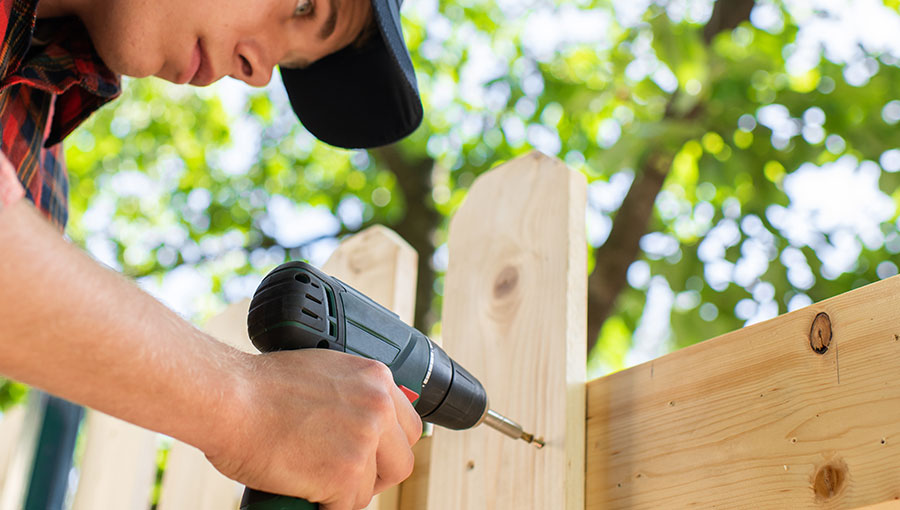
point(326, 426)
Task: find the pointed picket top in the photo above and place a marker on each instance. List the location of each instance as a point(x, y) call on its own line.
point(515, 300)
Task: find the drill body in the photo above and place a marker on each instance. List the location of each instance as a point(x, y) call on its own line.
point(299, 307)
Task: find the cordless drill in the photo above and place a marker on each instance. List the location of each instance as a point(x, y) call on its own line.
point(299, 307)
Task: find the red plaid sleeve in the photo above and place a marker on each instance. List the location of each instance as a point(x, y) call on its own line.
point(10, 187)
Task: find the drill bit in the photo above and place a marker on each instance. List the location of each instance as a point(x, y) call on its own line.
point(512, 429)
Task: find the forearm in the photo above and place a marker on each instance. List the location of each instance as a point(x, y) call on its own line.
point(81, 331)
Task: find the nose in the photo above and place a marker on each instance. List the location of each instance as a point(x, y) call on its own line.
point(251, 66)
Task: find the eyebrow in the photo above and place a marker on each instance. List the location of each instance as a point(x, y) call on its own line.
point(330, 21)
point(324, 33)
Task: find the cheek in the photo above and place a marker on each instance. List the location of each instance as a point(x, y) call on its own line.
point(129, 40)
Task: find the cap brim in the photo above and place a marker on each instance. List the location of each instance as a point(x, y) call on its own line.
point(360, 97)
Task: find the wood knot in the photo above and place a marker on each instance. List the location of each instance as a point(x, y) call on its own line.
point(506, 281)
point(830, 479)
point(820, 333)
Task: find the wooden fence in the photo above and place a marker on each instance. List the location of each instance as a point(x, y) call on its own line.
point(802, 411)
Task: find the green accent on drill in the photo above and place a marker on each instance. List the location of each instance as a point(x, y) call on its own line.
point(282, 503)
point(375, 334)
point(284, 324)
point(331, 306)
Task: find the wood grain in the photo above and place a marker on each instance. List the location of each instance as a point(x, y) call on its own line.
point(514, 315)
point(757, 418)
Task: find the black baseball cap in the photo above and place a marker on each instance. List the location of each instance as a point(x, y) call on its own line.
point(360, 97)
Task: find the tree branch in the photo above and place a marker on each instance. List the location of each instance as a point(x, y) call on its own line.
point(622, 247)
point(613, 258)
point(727, 15)
point(414, 176)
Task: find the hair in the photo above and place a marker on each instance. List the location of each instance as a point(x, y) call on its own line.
point(368, 32)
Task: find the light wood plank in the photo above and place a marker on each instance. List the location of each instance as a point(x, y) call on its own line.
point(24, 427)
point(893, 504)
point(414, 491)
point(189, 480)
point(12, 425)
point(381, 265)
point(756, 418)
point(514, 315)
point(118, 467)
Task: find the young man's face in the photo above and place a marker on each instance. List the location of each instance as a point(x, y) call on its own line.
point(201, 41)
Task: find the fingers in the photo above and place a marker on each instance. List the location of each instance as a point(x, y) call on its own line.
point(369, 479)
point(395, 426)
point(407, 416)
point(364, 481)
point(394, 458)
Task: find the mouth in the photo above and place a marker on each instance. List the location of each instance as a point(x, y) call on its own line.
point(201, 71)
point(189, 73)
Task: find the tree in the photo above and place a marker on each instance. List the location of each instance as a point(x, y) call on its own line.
point(698, 124)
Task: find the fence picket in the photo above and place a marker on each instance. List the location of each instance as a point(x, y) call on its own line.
point(515, 300)
point(19, 432)
point(118, 467)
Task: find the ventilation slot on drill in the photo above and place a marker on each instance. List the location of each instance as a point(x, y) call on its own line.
point(311, 314)
point(313, 298)
point(330, 297)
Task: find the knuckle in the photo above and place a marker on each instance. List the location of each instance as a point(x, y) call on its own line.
point(383, 404)
point(356, 467)
point(369, 433)
point(378, 404)
point(382, 373)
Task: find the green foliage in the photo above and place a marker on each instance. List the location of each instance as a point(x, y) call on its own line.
point(162, 459)
point(172, 177)
point(11, 393)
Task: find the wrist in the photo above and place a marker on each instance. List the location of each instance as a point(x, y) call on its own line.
point(218, 426)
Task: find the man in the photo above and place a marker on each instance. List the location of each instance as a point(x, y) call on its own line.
point(322, 425)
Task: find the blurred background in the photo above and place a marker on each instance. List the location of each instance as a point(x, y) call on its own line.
point(742, 159)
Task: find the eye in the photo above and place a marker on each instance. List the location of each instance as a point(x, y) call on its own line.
point(304, 8)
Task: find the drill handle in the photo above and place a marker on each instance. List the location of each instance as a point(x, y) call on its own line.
point(259, 500)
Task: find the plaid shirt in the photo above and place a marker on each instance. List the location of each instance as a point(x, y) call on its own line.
point(51, 80)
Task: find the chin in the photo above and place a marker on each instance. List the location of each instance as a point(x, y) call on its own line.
point(120, 61)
